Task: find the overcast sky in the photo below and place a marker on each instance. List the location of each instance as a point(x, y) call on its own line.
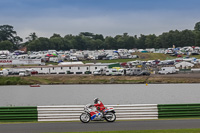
point(107, 17)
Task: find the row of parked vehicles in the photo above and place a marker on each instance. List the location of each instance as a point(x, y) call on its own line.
point(23, 72)
point(120, 72)
point(133, 71)
point(108, 72)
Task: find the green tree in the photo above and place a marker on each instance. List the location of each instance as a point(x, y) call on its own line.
point(141, 42)
point(98, 36)
point(6, 45)
point(57, 43)
point(187, 38)
point(40, 44)
point(197, 26)
point(197, 38)
point(150, 41)
point(110, 43)
point(7, 33)
point(32, 37)
point(88, 34)
point(55, 35)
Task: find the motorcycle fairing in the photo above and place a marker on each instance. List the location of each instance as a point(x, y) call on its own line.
point(108, 109)
point(94, 114)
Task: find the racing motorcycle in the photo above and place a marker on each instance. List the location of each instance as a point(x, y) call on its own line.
point(91, 113)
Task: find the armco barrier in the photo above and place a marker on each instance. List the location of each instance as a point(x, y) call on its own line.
point(123, 112)
point(178, 110)
point(72, 112)
point(18, 114)
point(59, 113)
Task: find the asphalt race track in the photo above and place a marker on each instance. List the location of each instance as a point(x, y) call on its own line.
point(99, 126)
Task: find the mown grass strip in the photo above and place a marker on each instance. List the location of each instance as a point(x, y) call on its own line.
point(146, 131)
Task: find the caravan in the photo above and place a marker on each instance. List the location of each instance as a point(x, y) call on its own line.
point(132, 71)
point(167, 70)
point(114, 72)
point(99, 72)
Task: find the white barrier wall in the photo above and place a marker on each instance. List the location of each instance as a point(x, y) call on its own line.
point(73, 112)
point(19, 61)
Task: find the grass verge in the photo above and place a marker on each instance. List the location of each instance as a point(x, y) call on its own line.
point(148, 131)
point(90, 79)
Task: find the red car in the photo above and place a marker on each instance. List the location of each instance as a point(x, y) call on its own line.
point(34, 72)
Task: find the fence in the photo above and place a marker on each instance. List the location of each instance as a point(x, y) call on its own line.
point(59, 113)
point(18, 114)
point(72, 113)
point(123, 112)
point(179, 111)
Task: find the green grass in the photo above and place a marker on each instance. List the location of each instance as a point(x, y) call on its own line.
point(11, 81)
point(148, 131)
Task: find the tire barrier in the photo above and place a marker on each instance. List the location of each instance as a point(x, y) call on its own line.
point(178, 110)
point(13, 114)
point(123, 112)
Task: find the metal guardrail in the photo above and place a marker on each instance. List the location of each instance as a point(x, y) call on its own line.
point(11, 114)
point(179, 110)
point(72, 112)
point(123, 112)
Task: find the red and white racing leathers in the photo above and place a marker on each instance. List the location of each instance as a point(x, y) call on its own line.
point(99, 106)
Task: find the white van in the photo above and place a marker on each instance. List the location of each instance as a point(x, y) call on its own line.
point(114, 72)
point(99, 72)
point(167, 70)
point(132, 71)
point(111, 72)
point(121, 72)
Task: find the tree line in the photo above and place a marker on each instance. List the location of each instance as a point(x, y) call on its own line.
point(90, 41)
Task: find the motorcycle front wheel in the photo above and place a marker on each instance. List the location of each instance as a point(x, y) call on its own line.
point(85, 117)
point(110, 117)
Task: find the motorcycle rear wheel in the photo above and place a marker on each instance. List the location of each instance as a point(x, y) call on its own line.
point(85, 117)
point(110, 117)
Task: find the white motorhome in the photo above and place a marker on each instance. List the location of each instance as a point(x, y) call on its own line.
point(167, 70)
point(111, 72)
point(114, 72)
point(99, 72)
point(132, 71)
point(121, 72)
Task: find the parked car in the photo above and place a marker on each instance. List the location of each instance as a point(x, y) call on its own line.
point(144, 73)
point(34, 72)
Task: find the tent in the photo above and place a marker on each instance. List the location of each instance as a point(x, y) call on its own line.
point(184, 65)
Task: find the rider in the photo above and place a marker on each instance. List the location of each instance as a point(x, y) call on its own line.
point(98, 104)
